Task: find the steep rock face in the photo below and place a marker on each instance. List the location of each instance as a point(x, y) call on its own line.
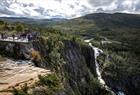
point(120, 80)
point(79, 70)
point(23, 50)
point(130, 85)
point(15, 50)
point(75, 67)
point(78, 74)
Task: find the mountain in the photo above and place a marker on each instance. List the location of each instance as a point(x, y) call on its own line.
point(117, 26)
point(101, 20)
point(31, 21)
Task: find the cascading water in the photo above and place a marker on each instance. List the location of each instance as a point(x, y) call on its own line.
point(120, 93)
point(97, 52)
point(102, 82)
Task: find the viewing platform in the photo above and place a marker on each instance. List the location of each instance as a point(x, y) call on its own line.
point(15, 40)
point(25, 37)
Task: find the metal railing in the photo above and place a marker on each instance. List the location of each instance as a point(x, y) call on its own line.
point(15, 39)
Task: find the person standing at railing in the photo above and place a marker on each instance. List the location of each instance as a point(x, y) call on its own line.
point(13, 36)
point(29, 37)
point(2, 36)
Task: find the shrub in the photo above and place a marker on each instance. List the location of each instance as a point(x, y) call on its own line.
point(51, 80)
point(22, 91)
point(52, 83)
point(19, 27)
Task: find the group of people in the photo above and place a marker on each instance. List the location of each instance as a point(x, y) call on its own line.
point(26, 35)
point(30, 36)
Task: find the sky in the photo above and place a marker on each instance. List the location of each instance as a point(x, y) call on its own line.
point(65, 8)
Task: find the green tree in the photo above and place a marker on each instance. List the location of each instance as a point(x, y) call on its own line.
point(19, 27)
point(1, 22)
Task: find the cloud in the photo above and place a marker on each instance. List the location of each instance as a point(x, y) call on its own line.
point(65, 8)
point(46, 8)
point(125, 6)
point(96, 3)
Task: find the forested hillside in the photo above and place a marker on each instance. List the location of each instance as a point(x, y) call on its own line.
point(118, 35)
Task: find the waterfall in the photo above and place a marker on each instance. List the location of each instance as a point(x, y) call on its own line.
point(102, 82)
point(97, 52)
point(120, 93)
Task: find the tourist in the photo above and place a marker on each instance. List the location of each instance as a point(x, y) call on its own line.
point(13, 37)
point(2, 36)
point(29, 37)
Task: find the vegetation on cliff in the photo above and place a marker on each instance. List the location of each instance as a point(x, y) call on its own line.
point(63, 53)
point(118, 36)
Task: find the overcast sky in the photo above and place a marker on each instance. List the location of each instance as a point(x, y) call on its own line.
point(65, 8)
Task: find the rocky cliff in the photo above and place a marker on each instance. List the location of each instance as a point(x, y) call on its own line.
point(79, 70)
point(77, 73)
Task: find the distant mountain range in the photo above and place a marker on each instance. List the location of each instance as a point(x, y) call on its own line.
point(118, 26)
point(31, 21)
point(116, 19)
point(105, 20)
point(100, 19)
